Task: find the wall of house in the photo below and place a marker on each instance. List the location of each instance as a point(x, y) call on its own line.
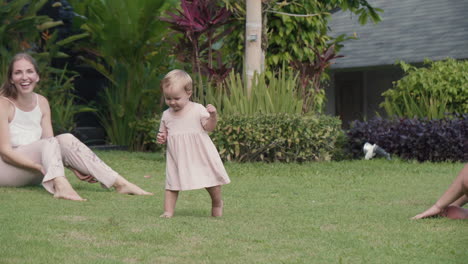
point(330, 106)
point(356, 94)
point(378, 81)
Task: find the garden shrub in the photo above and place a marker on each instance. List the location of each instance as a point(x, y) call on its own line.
point(341, 151)
point(432, 91)
point(413, 139)
point(276, 137)
point(146, 130)
point(264, 137)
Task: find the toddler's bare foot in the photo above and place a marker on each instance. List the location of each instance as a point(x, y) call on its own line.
point(217, 210)
point(63, 190)
point(125, 187)
point(455, 212)
point(166, 215)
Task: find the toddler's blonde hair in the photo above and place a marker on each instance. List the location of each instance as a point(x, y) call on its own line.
point(177, 79)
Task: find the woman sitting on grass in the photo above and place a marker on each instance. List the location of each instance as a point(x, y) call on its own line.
point(449, 204)
point(30, 154)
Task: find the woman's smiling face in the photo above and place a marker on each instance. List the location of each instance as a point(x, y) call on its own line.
point(24, 76)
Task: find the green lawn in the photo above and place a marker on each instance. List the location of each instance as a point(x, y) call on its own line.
point(335, 212)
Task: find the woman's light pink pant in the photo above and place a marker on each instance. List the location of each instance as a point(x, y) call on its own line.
point(55, 153)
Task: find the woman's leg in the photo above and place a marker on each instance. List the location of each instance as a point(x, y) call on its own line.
point(79, 157)
point(47, 153)
point(216, 201)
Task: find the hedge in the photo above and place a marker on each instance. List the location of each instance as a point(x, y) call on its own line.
point(264, 137)
point(413, 139)
point(277, 137)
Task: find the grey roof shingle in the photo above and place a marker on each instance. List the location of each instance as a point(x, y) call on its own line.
point(410, 30)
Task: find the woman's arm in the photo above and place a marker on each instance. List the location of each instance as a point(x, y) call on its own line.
point(46, 122)
point(6, 151)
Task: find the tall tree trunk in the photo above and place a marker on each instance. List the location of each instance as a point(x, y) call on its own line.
point(253, 40)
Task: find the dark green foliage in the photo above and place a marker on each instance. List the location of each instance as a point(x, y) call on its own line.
point(292, 29)
point(146, 130)
point(276, 137)
point(127, 37)
point(432, 91)
point(22, 30)
point(413, 139)
point(341, 151)
point(20, 27)
point(199, 21)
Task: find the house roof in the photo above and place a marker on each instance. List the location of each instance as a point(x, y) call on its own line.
point(410, 30)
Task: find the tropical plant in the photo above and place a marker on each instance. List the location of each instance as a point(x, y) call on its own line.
point(125, 47)
point(433, 91)
point(268, 95)
point(289, 27)
point(295, 33)
point(57, 84)
point(20, 27)
point(59, 89)
point(200, 22)
point(424, 105)
point(22, 30)
point(311, 77)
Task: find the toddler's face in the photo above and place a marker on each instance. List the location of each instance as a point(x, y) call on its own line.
point(176, 99)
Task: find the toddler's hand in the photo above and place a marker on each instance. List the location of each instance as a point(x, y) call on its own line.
point(161, 138)
point(211, 109)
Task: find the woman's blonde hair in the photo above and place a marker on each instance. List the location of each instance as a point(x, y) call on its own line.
point(177, 79)
point(8, 89)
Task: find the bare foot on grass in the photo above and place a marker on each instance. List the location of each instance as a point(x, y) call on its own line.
point(217, 210)
point(166, 215)
point(123, 186)
point(63, 190)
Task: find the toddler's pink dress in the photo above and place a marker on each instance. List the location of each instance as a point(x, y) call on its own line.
point(192, 159)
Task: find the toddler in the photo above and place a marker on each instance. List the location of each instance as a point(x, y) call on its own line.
point(192, 159)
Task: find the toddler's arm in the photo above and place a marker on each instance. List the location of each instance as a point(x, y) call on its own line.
point(212, 120)
point(161, 138)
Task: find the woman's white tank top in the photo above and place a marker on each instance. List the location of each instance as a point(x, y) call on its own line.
point(25, 128)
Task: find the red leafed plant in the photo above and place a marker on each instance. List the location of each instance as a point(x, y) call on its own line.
point(310, 73)
point(198, 20)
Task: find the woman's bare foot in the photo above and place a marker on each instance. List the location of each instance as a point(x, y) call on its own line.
point(123, 186)
point(431, 212)
point(455, 212)
point(166, 215)
point(63, 190)
point(217, 210)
